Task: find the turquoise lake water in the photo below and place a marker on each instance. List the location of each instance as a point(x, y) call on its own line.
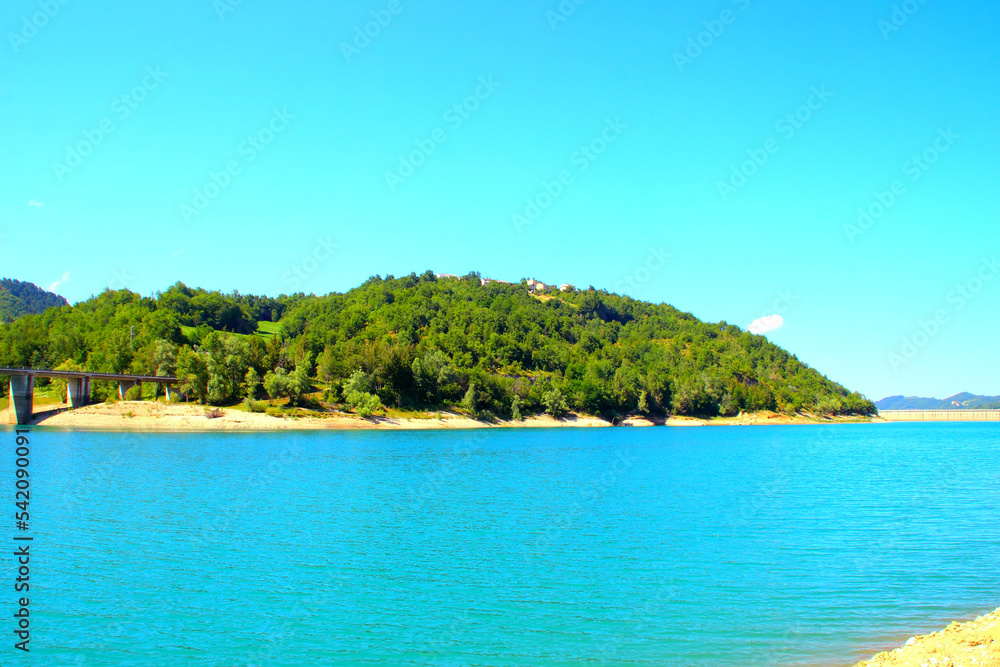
point(729, 546)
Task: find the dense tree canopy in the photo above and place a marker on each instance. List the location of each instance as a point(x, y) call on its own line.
point(21, 298)
point(424, 342)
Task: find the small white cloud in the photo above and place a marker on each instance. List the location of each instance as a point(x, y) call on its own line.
point(54, 286)
point(767, 323)
point(32, 202)
point(177, 254)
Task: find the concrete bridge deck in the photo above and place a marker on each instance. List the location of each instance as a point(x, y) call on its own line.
point(22, 387)
point(940, 415)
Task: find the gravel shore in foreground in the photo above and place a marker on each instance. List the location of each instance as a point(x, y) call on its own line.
point(970, 644)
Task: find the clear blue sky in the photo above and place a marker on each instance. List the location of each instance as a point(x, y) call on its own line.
point(310, 120)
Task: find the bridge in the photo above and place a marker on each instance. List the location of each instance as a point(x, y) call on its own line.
point(22, 387)
point(964, 415)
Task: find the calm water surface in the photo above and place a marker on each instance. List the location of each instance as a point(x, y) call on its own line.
point(724, 546)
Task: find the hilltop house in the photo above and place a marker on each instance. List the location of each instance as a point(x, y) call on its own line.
point(537, 285)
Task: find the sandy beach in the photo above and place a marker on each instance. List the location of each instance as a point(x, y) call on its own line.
point(971, 644)
point(146, 415)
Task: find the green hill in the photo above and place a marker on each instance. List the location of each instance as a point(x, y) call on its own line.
point(426, 343)
point(20, 298)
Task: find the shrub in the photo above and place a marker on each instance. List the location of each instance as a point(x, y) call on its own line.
point(363, 403)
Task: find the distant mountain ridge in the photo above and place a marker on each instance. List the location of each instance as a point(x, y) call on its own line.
point(963, 401)
point(22, 298)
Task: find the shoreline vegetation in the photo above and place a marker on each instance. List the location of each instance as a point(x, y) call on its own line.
point(975, 642)
point(490, 349)
point(150, 415)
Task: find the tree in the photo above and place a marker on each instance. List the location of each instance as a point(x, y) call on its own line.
point(435, 377)
point(644, 402)
point(276, 383)
point(165, 358)
point(359, 381)
point(359, 398)
point(828, 406)
point(555, 403)
point(228, 361)
point(328, 364)
point(697, 395)
point(192, 374)
point(515, 409)
point(469, 400)
point(298, 385)
point(251, 383)
point(727, 406)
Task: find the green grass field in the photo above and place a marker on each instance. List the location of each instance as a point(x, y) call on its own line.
point(268, 328)
point(264, 330)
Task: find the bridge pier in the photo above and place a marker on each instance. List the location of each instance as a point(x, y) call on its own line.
point(78, 385)
point(125, 385)
point(77, 392)
point(22, 398)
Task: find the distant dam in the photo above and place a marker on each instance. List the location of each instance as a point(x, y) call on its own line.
point(940, 415)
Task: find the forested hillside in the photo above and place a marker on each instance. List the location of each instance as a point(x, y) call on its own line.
point(21, 298)
point(426, 343)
